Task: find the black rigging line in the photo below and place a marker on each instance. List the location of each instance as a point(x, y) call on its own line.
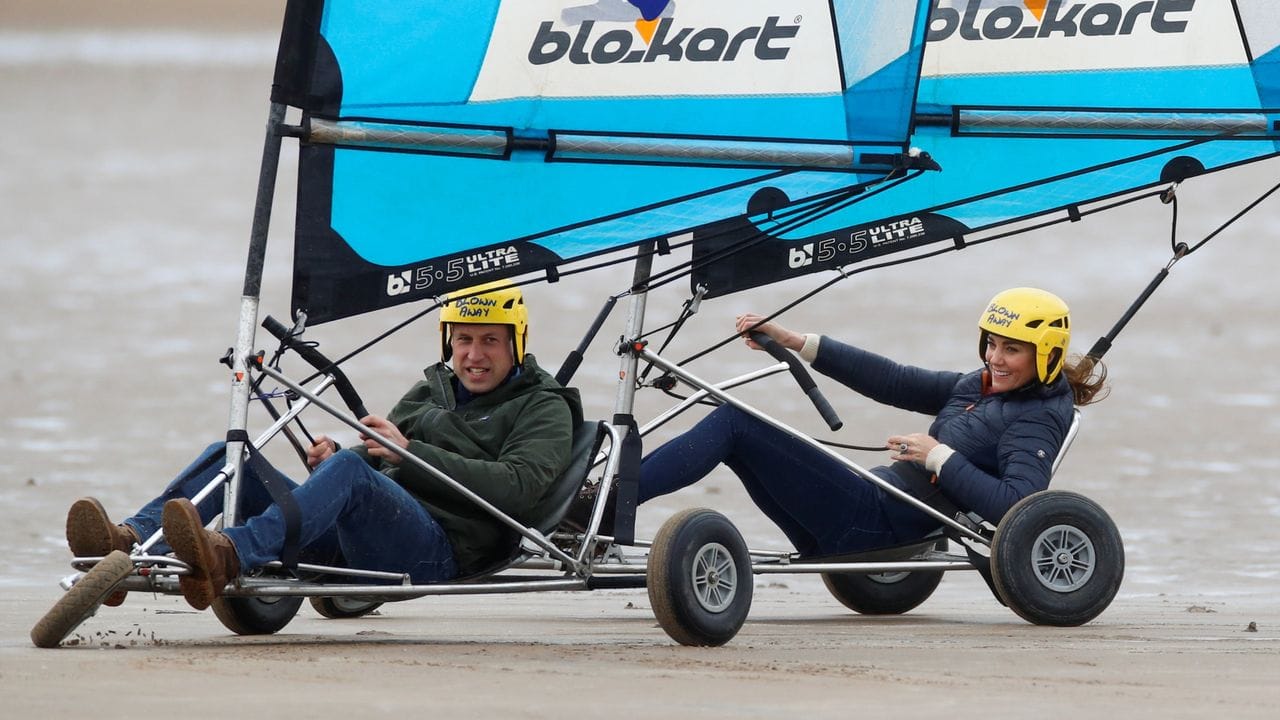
point(1173, 239)
point(815, 207)
point(1180, 250)
point(377, 339)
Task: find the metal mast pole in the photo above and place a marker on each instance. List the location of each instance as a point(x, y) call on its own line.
point(238, 422)
point(624, 424)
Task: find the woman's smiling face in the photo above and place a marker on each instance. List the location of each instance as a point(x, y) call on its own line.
point(1012, 362)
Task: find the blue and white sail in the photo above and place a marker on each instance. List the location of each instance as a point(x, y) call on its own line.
point(1033, 110)
point(446, 143)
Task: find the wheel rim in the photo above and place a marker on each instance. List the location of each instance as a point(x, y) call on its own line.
point(350, 604)
point(1063, 558)
point(888, 578)
point(715, 577)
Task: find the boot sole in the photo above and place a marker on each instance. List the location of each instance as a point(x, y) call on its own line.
point(186, 536)
point(89, 534)
point(89, 529)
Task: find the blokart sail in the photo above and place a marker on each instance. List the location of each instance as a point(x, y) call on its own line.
point(491, 139)
point(1034, 110)
point(444, 144)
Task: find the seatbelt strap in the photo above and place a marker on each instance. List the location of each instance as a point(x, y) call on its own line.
point(280, 494)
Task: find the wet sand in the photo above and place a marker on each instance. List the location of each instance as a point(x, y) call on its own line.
point(126, 183)
point(556, 654)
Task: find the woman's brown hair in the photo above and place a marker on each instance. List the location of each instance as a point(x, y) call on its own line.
point(1087, 377)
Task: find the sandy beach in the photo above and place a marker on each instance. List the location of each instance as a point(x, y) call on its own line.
point(133, 135)
point(548, 655)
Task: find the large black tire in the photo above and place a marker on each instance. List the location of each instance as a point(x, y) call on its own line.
point(883, 593)
point(699, 578)
point(256, 615)
point(342, 608)
point(82, 600)
point(1057, 559)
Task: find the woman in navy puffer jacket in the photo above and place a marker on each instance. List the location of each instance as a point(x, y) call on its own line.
point(993, 440)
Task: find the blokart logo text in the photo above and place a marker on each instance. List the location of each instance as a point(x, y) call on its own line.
point(1057, 17)
point(838, 249)
point(471, 265)
point(709, 44)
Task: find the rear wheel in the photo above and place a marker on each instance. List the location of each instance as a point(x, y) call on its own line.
point(342, 608)
point(1057, 559)
point(699, 578)
point(883, 593)
point(82, 600)
point(255, 615)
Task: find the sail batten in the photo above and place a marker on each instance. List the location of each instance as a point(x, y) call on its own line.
point(1107, 123)
point(409, 137)
point(728, 152)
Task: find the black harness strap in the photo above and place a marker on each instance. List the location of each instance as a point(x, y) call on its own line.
point(280, 493)
point(628, 482)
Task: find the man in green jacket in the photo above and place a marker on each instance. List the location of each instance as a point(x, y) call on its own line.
point(493, 421)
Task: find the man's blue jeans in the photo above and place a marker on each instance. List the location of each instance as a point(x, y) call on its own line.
point(350, 516)
point(821, 506)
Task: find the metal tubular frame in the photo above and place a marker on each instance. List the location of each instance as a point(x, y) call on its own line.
point(857, 469)
point(238, 420)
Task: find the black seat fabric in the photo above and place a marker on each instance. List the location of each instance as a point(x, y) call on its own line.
point(546, 514)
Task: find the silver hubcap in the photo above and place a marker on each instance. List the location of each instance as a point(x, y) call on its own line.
point(715, 577)
point(349, 604)
point(888, 578)
point(1063, 558)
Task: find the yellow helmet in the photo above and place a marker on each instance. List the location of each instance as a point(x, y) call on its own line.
point(488, 304)
point(1033, 316)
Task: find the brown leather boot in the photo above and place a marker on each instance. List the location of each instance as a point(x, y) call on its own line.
point(578, 516)
point(210, 554)
point(90, 533)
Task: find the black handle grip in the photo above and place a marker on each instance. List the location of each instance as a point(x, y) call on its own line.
point(802, 377)
point(572, 362)
point(317, 360)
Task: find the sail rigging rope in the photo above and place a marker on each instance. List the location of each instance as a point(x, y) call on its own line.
point(1180, 250)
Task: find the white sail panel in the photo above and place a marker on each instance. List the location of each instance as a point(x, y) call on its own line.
point(565, 49)
point(970, 37)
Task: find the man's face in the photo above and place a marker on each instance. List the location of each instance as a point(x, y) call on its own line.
point(482, 355)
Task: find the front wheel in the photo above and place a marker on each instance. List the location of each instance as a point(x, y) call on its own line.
point(1057, 559)
point(699, 578)
point(82, 600)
